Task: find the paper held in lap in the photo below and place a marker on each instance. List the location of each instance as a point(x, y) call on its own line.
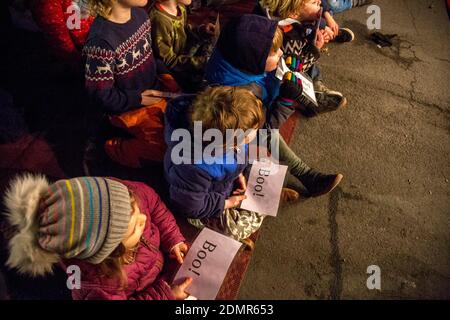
point(207, 263)
point(264, 188)
point(307, 83)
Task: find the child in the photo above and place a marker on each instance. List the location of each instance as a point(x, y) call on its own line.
point(116, 232)
point(204, 189)
point(299, 42)
point(247, 53)
point(52, 17)
point(120, 73)
point(178, 44)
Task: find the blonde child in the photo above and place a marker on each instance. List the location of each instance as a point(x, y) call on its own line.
point(302, 44)
point(209, 191)
point(117, 232)
point(125, 80)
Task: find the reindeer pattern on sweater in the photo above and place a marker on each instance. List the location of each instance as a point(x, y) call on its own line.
point(119, 62)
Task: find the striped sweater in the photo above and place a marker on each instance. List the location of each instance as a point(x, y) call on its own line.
point(119, 62)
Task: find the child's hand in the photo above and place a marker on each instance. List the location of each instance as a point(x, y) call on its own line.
point(169, 83)
point(234, 201)
point(294, 63)
point(179, 291)
point(332, 24)
point(242, 183)
point(150, 97)
point(320, 41)
point(208, 29)
point(179, 252)
point(136, 227)
point(328, 34)
point(291, 88)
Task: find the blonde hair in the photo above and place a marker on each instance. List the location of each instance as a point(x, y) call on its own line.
point(112, 266)
point(225, 108)
point(100, 7)
point(283, 8)
point(277, 40)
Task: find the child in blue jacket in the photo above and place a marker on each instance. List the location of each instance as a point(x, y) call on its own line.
point(208, 188)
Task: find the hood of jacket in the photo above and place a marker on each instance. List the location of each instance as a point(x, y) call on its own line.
point(245, 42)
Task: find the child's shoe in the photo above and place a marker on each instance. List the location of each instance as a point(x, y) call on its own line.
point(330, 101)
point(289, 195)
point(344, 35)
point(319, 86)
point(318, 184)
point(249, 244)
point(327, 101)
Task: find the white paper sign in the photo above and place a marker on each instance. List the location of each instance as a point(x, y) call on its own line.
point(264, 188)
point(308, 86)
point(281, 70)
point(207, 263)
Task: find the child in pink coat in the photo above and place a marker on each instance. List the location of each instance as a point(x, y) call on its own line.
point(118, 233)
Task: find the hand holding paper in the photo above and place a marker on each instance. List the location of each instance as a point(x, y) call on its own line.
point(179, 290)
point(207, 263)
point(234, 201)
point(242, 185)
point(264, 188)
point(153, 94)
point(307, 84)
point(179, 252)
point(292, 87)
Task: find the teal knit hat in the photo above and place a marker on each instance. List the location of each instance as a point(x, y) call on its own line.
point(83, 218)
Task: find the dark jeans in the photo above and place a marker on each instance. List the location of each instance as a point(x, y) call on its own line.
point(340, 5)
point(314, 73)
point(286, 156)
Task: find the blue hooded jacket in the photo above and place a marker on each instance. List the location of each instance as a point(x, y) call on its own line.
point(196, 189)
point(221, 72)
point(239, 59)
point(241, 53)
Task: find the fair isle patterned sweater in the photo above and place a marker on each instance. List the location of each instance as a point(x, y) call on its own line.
point(119, 62)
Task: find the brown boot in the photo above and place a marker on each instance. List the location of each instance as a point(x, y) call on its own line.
point(289, 195)
point(249, 244)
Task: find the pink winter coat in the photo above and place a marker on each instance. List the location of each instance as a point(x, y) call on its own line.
point(145, 279)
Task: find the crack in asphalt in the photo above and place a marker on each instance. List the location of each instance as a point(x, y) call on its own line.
point(412, 84)
point(356, 197)
point(413, 18)
point(335, 258)
point(419, 102)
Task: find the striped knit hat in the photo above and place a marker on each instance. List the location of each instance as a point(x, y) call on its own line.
point(83, 218)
